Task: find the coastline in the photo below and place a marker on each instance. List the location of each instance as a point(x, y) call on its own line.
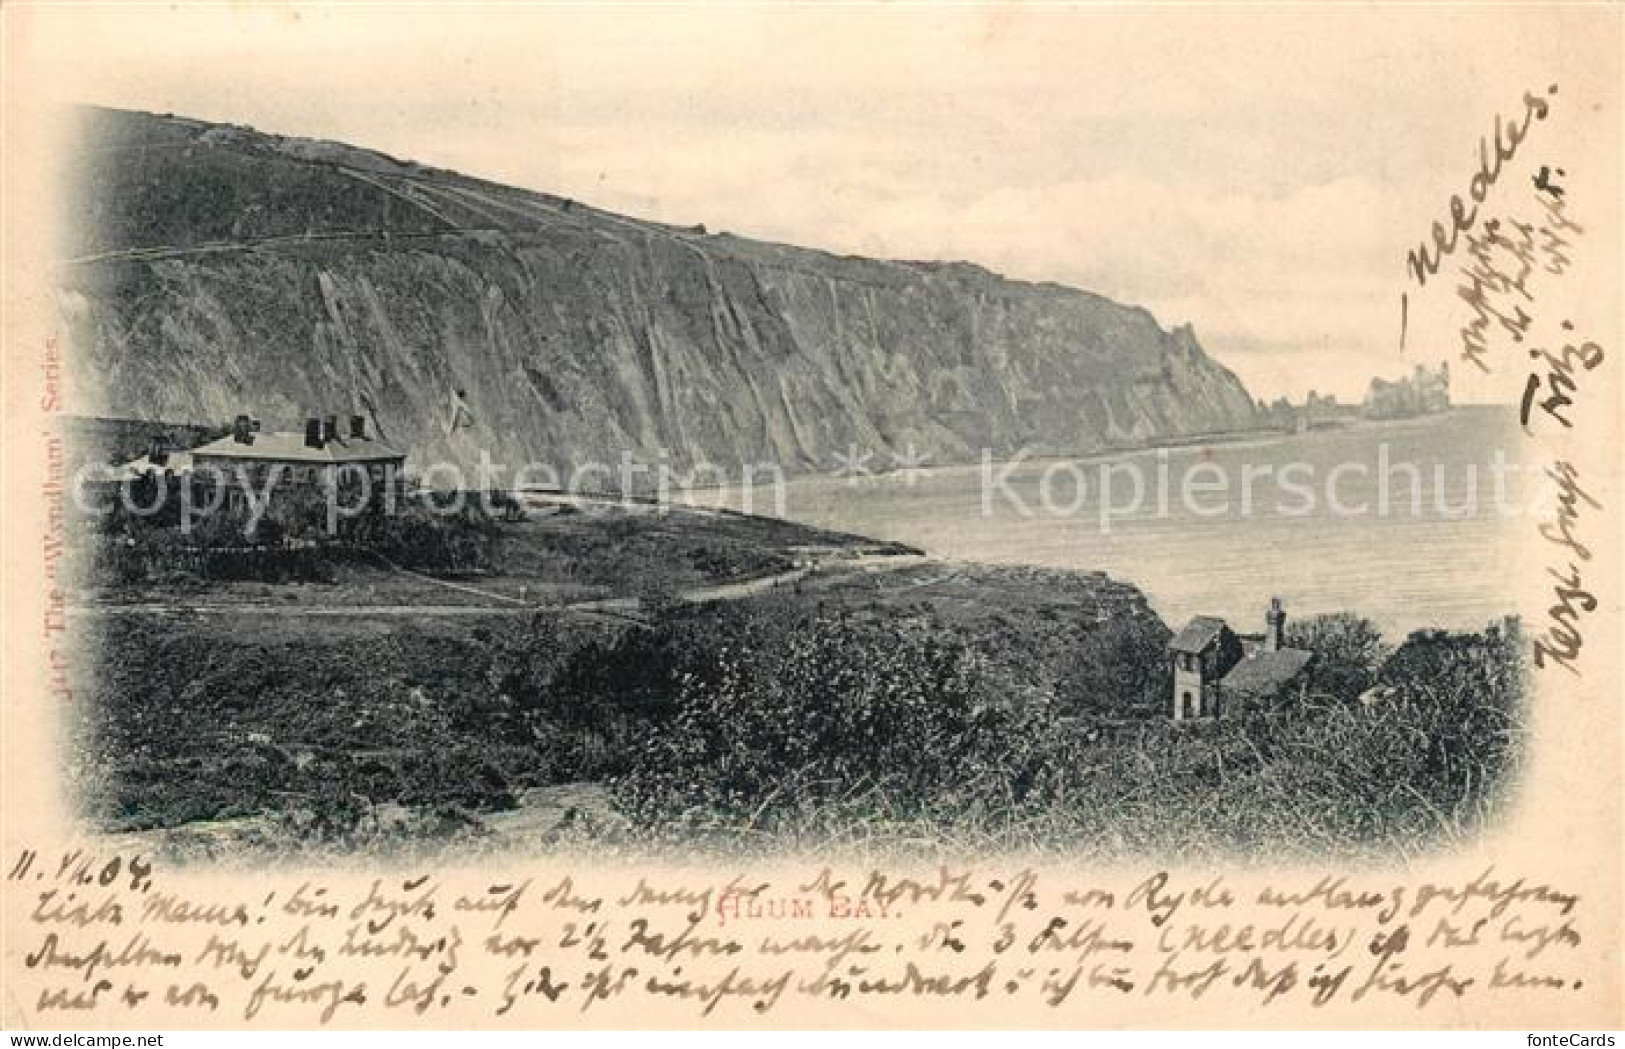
point(1258, 437)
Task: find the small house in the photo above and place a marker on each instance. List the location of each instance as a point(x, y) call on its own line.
point(1203, 652)
point(1217, 670)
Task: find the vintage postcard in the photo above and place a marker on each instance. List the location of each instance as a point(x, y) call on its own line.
point(780, 516)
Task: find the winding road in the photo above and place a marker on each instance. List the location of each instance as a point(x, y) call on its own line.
point(625, 608)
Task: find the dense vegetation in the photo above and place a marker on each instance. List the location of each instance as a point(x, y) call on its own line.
point(828, 731)
point(294, 539)
point(963, 707)
point(777, 724)
point(823, 720)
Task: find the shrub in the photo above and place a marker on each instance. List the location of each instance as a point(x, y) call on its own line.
point(1119, 666)
point(823, 729)
point(828, 713)
point(1424, 767)
point(432, 533)
point(1348, 652)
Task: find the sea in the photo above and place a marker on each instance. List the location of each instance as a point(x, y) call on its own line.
point(1414, 524)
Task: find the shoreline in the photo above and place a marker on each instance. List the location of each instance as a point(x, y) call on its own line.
point(1258, 437)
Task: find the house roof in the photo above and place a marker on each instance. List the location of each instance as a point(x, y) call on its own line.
point(1197, 635)
point(1266, 672)
point(177, 462)
point(288, 446)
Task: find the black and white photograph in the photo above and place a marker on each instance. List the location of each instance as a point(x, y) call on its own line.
point(1164, 436)
point(430, 506)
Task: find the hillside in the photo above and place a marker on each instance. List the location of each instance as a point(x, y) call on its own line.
point(214, 269)
point(462, 697)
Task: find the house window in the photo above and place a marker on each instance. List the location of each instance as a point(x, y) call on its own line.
point(1190, 708)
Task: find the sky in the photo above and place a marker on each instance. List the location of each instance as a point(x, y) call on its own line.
point(1259, 173)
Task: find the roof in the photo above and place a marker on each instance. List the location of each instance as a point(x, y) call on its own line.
point(177, 462)
point(1197, 635)
point(288, 446)
point(1266, 672)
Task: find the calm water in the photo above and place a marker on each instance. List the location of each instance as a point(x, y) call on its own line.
point(1440, 563)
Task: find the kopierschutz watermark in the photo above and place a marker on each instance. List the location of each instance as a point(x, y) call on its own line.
point(1105, 491)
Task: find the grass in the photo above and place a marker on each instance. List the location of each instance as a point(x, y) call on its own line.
point(933, 709)
point(558, 554)
point(353, 733)
point(819, 741)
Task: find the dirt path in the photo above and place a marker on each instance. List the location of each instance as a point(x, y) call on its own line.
point(448, 584)
point(165, 251)
point(616, 607)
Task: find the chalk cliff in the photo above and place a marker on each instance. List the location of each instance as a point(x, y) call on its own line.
point(213, 269)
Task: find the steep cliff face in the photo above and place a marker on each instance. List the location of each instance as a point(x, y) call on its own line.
point(218, 270)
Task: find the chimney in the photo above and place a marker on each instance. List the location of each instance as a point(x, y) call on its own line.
point(330, 429)
point(242, 430)
point(313, 433)
point(1274, 626)
point(358, 427)
point(157, 452)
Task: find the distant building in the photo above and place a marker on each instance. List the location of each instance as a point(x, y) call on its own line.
point(290, 461)
point(96, 443)
point(1423, 392)
point(1217, 670)
point(158, 462)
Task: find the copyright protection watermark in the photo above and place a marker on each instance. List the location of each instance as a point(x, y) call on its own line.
point(1111, 491)
point(1104, 491)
